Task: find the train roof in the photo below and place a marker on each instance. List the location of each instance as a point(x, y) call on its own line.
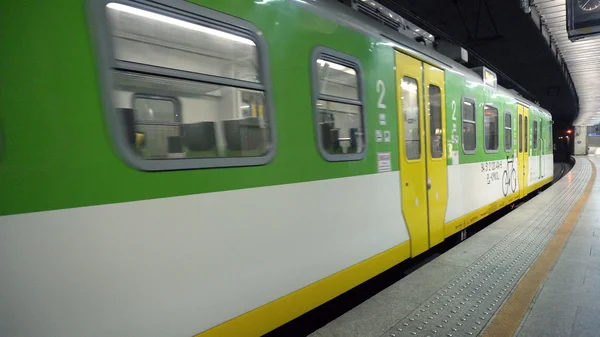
point(344, 15)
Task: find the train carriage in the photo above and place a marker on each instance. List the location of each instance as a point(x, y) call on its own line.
point(218, 168)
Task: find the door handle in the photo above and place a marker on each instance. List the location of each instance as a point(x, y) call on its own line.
point(428, 183)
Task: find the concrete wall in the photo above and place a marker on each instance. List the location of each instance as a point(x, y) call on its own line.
point(580, 138)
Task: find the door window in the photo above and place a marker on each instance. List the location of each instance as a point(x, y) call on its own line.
point(526, 135)
point(435, 121)
point(520, 133)
point(410, 103)
point(507, 131)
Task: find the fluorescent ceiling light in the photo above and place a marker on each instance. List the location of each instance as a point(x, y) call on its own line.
point(179, 23)
point(336, 66)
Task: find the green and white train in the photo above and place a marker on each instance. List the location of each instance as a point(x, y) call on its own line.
point(218, 168)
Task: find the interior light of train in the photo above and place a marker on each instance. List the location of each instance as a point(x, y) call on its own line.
point(177, 22)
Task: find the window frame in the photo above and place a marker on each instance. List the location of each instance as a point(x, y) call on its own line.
point(462, 121)
point(511, 131)
point(550, 138)
point(331, 55)
point(423, 155)
point(520, 132)
point(527, 134)
point(441, 157)
point(190, 12)
point(497, 149)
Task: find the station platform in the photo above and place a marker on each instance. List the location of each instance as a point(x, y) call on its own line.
point(533, 272)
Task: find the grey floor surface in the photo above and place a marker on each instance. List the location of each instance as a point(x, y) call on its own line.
point(568, 304)
point(569, 301)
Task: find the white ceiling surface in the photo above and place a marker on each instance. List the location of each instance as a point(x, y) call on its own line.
point(582, 58)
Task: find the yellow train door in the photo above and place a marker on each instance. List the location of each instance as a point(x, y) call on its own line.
point(520, 148)
point(423, 174)
point(523, 133)
point(526, 149)
point(437, 172)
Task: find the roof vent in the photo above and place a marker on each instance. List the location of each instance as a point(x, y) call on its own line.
point(387, 17)
point(453, 51)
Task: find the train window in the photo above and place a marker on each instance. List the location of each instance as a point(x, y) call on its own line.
point(541, 134)
point(507, 131)
point(550, 138)
point(526, 128)
point(435, 121)
point(187, 93)
point(412, 128)
point(469, 126)
point(534, 138)
point(338, 105)
point(490, 128)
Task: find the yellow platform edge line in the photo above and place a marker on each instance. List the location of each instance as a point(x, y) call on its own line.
point(278, 312)
point(509, 317)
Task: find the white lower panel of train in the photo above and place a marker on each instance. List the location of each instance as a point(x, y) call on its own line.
point(178, 266)
point(472, 186)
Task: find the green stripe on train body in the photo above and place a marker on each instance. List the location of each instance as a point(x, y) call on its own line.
point(457, 88)
point(58, 152)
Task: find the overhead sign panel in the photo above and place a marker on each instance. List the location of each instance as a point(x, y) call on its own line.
point(583, 18)
point(489, 78)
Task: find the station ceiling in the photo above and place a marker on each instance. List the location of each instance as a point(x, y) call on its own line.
point(501, 33)
point(582, 58)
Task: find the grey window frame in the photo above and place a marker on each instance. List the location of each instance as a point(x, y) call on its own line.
point(485, 149)
point(512, 145)
point(462, 121)
point(441, 121)
point(190, 12)
point(422, 127)
point(328, 54)
point(526, 121)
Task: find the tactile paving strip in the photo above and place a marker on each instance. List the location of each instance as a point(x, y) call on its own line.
point(465, 305)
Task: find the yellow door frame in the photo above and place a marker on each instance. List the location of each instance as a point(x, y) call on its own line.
point(520, 148)
point(409, 78)
point(437, 171)
point(524, 147)
point(424, 181)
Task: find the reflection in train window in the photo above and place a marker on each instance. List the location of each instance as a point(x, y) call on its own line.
point(526, 128)
point(550, 138)
point(469, 126)
point(185, 90)
point(410, 104)
point(435, 121)
point(507, 131)
point(339, 109)
point(490, 128)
